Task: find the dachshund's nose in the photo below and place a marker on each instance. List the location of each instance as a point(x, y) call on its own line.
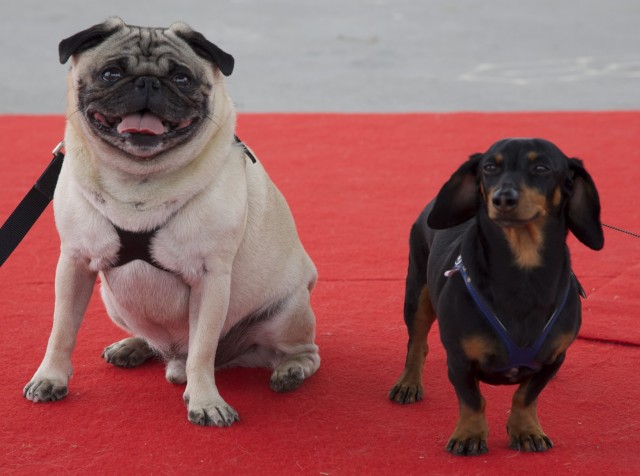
point(505, 198)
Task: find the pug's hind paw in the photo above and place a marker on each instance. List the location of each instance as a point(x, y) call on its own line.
point(129, 352)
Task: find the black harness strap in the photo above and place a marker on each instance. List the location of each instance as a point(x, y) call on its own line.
point(136, 246)
point(247, 151)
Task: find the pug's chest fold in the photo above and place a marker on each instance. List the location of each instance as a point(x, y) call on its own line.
point(135, 214)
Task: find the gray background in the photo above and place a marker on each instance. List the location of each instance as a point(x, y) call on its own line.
point(362, 56)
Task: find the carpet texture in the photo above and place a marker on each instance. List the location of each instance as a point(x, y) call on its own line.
point(355, 184)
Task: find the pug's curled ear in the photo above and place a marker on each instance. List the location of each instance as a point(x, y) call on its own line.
point(87, 39)
point(205, 49)
point(458, 199)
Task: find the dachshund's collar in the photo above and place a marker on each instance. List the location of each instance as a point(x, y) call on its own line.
point(518, 356)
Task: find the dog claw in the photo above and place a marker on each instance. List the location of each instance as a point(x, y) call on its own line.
point(127, 353)
point(470, 447)
point(287, 379)
point(531, 443)
point(44, 391)
point(218, 416)
point(215, 412)
point(406, 393)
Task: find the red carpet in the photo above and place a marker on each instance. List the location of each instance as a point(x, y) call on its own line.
point(355, 184)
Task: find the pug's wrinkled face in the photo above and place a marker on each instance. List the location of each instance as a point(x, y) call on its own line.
point(143, 90)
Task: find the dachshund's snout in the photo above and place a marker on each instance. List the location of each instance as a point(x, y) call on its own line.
point(505, 198)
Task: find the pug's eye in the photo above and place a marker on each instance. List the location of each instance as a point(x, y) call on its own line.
point(111, 75)
point(182, 80)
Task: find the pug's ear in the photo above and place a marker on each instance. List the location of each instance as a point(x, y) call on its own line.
point(87, 39)
point(459, 198)
point(205, 49)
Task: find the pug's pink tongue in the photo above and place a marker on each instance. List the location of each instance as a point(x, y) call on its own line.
point(141, 123)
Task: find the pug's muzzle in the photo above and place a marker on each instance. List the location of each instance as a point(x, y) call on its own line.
point(143, 117)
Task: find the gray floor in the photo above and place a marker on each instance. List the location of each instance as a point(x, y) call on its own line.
point(362, 56)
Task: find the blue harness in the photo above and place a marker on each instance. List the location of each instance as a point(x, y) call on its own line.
point(517, 356)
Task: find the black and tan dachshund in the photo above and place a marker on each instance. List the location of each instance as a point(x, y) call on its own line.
point(489, 258)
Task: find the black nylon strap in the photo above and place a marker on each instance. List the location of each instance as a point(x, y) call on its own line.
point(136, 245)
point(30, 208)
point(247, 151)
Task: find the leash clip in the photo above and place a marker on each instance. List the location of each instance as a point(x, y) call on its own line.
point(456, 267)
point(58, 148)
point(46, 184)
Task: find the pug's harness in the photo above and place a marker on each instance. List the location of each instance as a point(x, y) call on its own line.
point(134, 245)
point(518, 357)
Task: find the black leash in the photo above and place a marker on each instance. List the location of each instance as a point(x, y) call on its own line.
point(34, 203)
point(635, 235)
point(31, 207)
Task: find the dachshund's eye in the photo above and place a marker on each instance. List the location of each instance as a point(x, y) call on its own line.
point(541, 169)
point(490, 168)
point(111, 75)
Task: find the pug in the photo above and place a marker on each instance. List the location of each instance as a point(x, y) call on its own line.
point(196, 249)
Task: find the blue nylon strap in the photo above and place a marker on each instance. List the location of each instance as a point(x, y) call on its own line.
point(517, 356)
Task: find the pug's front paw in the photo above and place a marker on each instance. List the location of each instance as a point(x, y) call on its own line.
point(215, 412)
point(45, 390)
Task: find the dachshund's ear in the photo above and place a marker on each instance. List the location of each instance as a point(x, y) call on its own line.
point(583, 207)
point(458, 199)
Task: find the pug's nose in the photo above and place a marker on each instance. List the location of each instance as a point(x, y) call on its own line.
point(148, 84)
point(505, 198)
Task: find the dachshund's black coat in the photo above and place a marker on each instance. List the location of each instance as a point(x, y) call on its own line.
point(507, 213)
